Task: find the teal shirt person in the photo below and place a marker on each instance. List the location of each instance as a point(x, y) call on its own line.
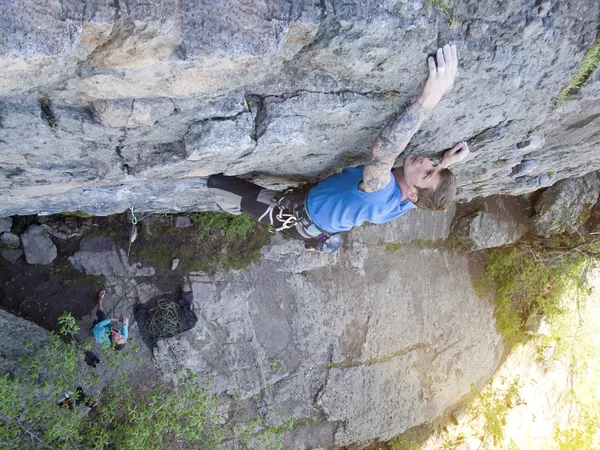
point(103, 328)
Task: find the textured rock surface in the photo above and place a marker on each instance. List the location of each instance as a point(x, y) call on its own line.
point(11, 350)
point(362, 344)
point(561, 207)
point(99, 256)
point(5, 224)
point(501, 222)
point(12, 255)
point(10, 240)
point(106, 105)
point(37, 245)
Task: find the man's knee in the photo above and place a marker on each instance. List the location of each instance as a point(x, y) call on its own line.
point(214, 181)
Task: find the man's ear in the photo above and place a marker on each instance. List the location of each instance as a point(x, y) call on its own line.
point(412, 195)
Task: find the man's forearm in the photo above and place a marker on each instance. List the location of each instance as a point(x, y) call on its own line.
point(395, 136)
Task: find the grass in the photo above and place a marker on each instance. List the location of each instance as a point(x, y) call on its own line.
point(590, 62)
point(393, 246)
point(530, 279)
point(215, 242)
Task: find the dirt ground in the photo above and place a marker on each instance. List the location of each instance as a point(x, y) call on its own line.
point(41, 293)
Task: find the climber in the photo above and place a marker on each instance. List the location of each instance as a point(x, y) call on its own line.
point(103, 330)
point(374, 193)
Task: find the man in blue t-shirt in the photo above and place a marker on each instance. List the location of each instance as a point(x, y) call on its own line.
point(372, 193)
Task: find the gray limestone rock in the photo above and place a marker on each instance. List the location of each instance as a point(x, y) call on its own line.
point(182, 222)
point(12, 255)
point(12, 350)
point(144, 101)
point(501, 222)
point(364, 349)
point(99, 256)
point(562, 207)
point(37, 245)
point(5, 224)
point(10, 240)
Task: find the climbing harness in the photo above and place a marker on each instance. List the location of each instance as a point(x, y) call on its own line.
point(290, 210)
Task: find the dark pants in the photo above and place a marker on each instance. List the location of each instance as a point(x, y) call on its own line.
point(101, 315)
point(235, 196)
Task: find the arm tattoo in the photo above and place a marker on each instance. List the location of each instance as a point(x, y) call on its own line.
point(392, 140)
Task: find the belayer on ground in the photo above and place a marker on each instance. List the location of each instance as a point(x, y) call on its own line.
point(374, 193)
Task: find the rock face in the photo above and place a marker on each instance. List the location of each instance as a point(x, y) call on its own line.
point(561, 207)
point(360, 345)
point(37, 245)
point(106, 105)
point(501, 222)
point(99, 256)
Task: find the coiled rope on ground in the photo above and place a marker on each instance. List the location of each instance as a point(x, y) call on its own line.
point(163, 320)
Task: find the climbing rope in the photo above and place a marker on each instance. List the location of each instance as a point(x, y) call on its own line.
point(163, 321)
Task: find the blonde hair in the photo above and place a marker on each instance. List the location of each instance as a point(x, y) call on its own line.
point(440, 198)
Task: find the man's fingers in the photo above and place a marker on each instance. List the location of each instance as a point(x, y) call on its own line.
point(448, 59)
point(441, 63)
point(431, 63)
point(457, 147)
point(454, 58)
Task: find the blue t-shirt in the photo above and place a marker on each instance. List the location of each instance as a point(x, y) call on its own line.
point(102, 331)
point(336, 204)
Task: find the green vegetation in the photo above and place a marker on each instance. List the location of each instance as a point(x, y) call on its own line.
point(393, 246)
point(590, 62)
point(580, 436)
point(438, 5)
point(214, 242)
point(400, 443)
point(79, 214)
point(535, 279)
point(493, 405)
point(254, 433)
point(47, 114)
point(274, 365)
point(164, 417)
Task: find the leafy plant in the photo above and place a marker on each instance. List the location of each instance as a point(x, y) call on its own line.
point(590, 62)
point(30, 417)
point(274, 365)
point(438, 5)
point(534, 279)
point(493, 404)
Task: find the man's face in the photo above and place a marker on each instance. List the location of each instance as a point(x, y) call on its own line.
point(116, 337)
point(420, 172)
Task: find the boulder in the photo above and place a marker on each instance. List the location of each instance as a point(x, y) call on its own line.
point(501, 222)
point(37, 245)
point(564, 206)
point(10, 240)
point(182, 222)
point(12, 255)
point(5, 224)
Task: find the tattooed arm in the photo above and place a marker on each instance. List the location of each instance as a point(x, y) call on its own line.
point(396, 135)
